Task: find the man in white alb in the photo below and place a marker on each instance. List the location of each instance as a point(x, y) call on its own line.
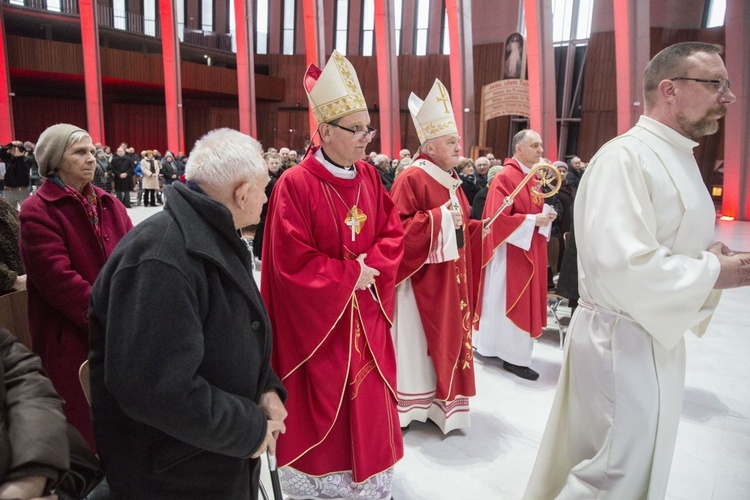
point(649, 271)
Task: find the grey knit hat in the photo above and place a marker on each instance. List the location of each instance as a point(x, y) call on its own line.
point(492, 172)
point(51, 146)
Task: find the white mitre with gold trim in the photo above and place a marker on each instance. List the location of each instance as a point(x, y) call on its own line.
point(433, 117)
point(333, 92)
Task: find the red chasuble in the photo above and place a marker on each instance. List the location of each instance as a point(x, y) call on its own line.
point(445, 292)
point(331, 344)
point(526, 291)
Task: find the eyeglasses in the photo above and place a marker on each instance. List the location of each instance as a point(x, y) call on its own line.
point(722, 85)
point(358, 134)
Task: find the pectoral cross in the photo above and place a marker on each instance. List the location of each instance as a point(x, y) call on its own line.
point(355, 220)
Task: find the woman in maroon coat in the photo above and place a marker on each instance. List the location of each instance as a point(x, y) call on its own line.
point(68, 230)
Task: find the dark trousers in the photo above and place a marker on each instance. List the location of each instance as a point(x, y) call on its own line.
point(124, 197)
point(150, 195)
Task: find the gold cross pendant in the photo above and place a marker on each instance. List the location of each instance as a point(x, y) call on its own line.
point(355, 220)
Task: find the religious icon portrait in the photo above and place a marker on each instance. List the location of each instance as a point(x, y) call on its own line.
point(514, 62)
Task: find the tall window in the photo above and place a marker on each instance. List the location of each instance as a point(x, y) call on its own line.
point(290, 18)
point(261, 27)
point(716, 11)
point(53, 5)
point(119, 14)
point(368, 27)
point(207, 15)
point(571, 20)
point(571, 28)
point(342, 24)
point(149, 17)
point(446, 44)
point(422, 22)
point(398, 11)
point(180, 8)
point(232, 26)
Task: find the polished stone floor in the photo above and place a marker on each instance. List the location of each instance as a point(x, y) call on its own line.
point(493, 459)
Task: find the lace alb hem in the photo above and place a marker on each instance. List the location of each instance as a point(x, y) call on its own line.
point(335, 486)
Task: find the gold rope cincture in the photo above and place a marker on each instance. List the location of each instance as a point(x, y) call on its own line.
point(355, 218)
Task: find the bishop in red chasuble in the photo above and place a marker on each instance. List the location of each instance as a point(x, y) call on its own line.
point(334, 242)
point(436, 291)
point(513, 294)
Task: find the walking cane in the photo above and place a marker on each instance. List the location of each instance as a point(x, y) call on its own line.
point(545, 169)
point(275, 482)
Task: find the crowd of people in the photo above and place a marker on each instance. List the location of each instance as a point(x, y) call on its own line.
point(123, 172)
point(380, 280)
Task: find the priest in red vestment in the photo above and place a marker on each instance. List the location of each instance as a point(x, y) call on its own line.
point(331, 251)
point(513, 293)
point(436, 293)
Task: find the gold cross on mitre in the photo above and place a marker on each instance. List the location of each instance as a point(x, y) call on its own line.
point(356, 219)
point(443, 96)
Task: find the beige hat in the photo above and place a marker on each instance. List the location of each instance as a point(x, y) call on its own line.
point(51, 146)
point(433, 117)
point(334, 92)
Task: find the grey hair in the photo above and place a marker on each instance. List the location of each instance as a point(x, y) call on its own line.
point(75, 137)
point(423, 146)
point(224, 157)
point(671, 63)
point(518, 139)
point(381, 158)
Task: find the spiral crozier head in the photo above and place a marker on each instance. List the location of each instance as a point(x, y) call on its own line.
point(549, 177)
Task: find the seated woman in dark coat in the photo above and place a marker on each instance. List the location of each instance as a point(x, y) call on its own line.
point(33, 436)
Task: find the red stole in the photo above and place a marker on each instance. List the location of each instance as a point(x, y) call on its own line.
point(445, 292)
point(331, 342)
point(526, 291)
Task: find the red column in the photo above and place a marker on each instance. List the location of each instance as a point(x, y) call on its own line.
point(461, 64)
point(92, 71)
point(388, 91)
point(7, 132)
point(243, 14)
point(540, 63)
point(632, 43)
point(312, 11)
point(170, 45)
point(736, 195)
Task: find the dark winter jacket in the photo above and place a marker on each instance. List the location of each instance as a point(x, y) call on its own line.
point(33, 432)
point(175, 392)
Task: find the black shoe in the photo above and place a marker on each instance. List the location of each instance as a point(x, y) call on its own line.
point(521, 371)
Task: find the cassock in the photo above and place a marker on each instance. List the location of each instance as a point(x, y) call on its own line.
point(435, 298)
point(643, 221)
point(513, 294)
point(331, 345)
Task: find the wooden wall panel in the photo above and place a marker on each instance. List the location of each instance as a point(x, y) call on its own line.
point(66, 58)
point(44, 55)
point(143, 126)
point(488, 61)
point(32, 115)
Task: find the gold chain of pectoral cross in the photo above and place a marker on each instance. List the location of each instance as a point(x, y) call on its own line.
point(355, 218)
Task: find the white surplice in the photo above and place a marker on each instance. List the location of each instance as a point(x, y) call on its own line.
point(416, 378)
point(643, 221)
